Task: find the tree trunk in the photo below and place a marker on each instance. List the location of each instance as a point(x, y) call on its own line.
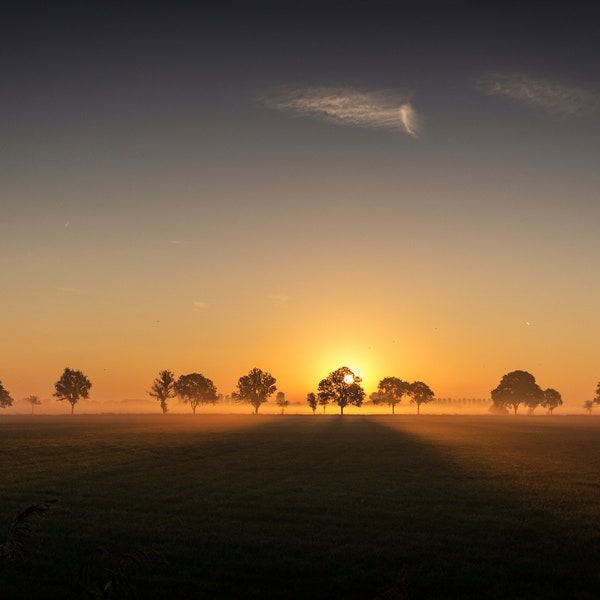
point(393, 409)
point(72, 407)
point(342, 411)
point(418, 408)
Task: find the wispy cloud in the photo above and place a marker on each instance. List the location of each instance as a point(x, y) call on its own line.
point(200, 304)
point(345, 106)
point(278, 299)
point(551, 96)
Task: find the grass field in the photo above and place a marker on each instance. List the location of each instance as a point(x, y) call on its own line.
point(308, 507)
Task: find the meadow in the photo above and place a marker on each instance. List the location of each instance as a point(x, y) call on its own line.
point(244, 506)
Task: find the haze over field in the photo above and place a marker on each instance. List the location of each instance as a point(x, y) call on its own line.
point(209, 190)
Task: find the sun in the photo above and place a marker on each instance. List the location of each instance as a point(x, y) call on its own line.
point(349, 379)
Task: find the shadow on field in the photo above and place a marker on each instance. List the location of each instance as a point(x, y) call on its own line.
point(298, 506)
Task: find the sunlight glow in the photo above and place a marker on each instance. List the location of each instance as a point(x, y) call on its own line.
point(349, 379)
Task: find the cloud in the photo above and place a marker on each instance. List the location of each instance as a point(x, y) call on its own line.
point(551, 96)
point(382, 109)
point(278, 299)
point(200, 304)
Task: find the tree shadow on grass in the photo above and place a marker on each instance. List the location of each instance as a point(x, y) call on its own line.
point(315, 507)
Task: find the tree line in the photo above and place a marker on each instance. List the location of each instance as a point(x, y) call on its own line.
point(341, 387)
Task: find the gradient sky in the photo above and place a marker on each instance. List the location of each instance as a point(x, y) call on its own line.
point(407, 191)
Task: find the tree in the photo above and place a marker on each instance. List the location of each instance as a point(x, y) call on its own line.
point(596, 399)
point(323, 401)
point(196, 389)
point(551, 399)
point(163, 388)
point(312, 400)
point(390, 391)
point(515, 388)
point(255, 388)
point(5, 397)
point(588, 405)
point(343, 387)
point(71, 386)
point(420, 393)
point(34, 401)
point(281, 401)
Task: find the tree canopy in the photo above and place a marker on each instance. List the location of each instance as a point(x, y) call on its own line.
point(255, 388)
point(311, 399)
point(71, 386)
point(5, 397)
point(34, 401)
point(341, 386)
point(420, 393)
point(163, 389)
point(196, 389)
point(390, 391)
point(552, 399)
point(515, 388)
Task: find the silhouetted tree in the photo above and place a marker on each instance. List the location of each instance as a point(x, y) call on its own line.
point(552, 399)
point(34, 401)
point(196, 389)
point(255, 388)
point(343, 387)
point(281, 401)
point(163, 389)
point(5, 397)
point(323, 402)
point(588, 405)
point(390, 391)
point(515, 388)
point(71, 386)
point(596, 399)
point(420, 393)
point(311, 399)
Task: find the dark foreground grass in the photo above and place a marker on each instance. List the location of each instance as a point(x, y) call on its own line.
point(308, 507)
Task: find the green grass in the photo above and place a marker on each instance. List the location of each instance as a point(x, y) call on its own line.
point(316, 507)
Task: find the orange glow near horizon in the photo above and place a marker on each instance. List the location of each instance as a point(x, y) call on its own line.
point(211, 233)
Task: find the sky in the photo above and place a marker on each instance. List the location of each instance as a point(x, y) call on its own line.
point(405, 190)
